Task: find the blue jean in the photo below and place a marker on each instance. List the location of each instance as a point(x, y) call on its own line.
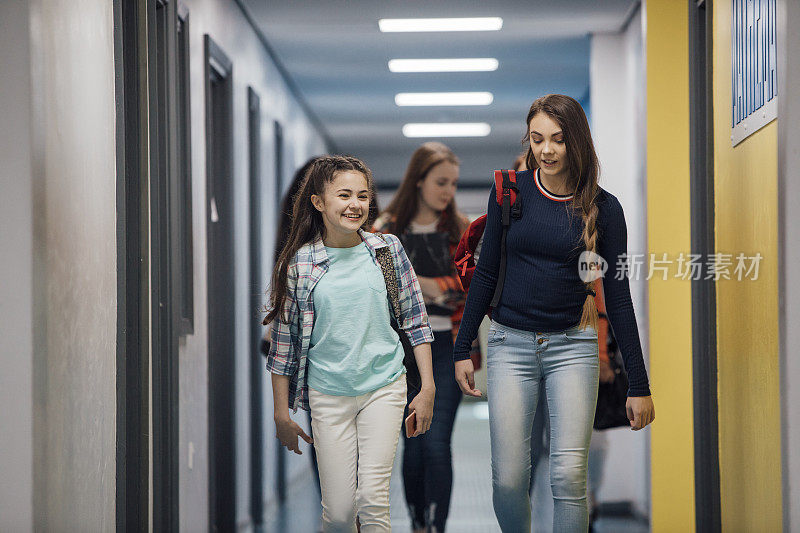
point(518, 363)
point(540, 435)
point(427, 459)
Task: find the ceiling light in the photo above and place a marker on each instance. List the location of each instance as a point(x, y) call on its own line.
point(475, 64)
point(462, 129)
point(418, 99)
point(442, 24)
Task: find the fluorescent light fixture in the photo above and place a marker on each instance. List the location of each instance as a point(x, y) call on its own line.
point(418, 99)
point(442, 24)
point(455, 129)
point(473, 64)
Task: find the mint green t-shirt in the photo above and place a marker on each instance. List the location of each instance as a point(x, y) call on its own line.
point(353, 348)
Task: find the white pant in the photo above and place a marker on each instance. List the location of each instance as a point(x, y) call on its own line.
point(356, 438)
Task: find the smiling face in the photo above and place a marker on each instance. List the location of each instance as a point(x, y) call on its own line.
point(438, 188)
point(548, 146)
point(344, 205)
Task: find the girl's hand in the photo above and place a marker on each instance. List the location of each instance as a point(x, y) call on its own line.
point(465, 377)
point(607, 374)
point(430, 288)
point(287, 431)
point(640, 411)
point(422, 405)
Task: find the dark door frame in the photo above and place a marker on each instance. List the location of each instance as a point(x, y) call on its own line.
point(280, 457)
point(130, 49)
point(704, 317)
point(257, 371)
point(218, 76)
point(184, 249)
point(280, 179)
point(165, 279)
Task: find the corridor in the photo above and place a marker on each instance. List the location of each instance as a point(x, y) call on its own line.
point(166, 171)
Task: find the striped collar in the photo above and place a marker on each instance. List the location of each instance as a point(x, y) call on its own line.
point(548, 194)
point(319, 255)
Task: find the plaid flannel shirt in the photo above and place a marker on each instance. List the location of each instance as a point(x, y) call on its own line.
point(291, 338)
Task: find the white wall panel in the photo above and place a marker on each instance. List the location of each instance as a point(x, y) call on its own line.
point(75, 264)
point(618, 129)
point(789, 254)
point(16, 261)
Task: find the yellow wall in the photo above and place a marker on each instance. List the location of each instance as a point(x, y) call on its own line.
point(747, 311)
point(672, 455)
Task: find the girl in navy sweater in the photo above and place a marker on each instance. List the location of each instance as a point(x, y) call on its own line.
point(544, 328)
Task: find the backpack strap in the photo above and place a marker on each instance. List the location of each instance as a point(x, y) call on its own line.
point(510, 206)
point(505, 179)
point(386, 262)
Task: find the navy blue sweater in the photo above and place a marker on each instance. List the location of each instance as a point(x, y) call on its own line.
point(543, 290)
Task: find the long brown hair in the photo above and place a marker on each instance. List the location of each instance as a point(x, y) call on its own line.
point(285, 213)
point(583, 170)
point(405, 203)
point(307, 225)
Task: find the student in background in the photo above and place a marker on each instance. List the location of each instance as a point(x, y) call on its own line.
point(597, 450)
point(424, 217)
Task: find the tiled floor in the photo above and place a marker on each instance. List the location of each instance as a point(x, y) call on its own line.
point(471, 501)
point(471, 506)
point(302, 511)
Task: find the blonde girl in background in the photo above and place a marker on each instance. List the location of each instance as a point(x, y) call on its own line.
point(424, 217)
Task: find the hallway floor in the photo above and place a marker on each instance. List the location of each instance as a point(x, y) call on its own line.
point(471, 506)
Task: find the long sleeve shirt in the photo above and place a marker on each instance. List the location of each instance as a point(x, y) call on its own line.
point(543, 291)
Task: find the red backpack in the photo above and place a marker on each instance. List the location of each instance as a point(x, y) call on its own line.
point(511, 207)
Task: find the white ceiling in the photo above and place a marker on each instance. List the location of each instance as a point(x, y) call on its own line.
point(337, 57)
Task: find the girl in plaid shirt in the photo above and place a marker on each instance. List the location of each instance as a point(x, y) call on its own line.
point(333, 349)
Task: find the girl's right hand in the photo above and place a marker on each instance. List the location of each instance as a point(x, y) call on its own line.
point(465, 377)
point(287, 431)
point(641, 411)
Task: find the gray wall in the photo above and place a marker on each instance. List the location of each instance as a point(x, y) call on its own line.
point(252, 66)
point(58, 308)
point(789, 253)
point(75, 203)
point(16, 259)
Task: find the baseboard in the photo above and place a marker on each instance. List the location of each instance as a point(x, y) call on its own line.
point(621, 509)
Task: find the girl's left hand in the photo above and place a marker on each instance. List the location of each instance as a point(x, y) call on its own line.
point(607, 374)
point(422, 404)
point(641, 411)
point(430, 288)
